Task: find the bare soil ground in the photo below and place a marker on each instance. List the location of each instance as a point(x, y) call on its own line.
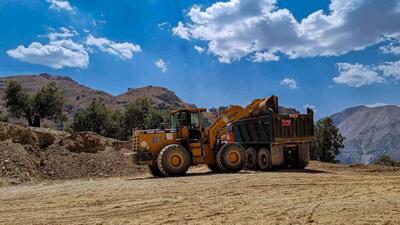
point(321, 194)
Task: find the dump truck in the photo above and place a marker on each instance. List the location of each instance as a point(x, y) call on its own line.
point(274, 140)
point(188, 141)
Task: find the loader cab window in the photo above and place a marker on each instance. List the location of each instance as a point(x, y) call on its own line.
point(180, 119)
point(185, 119)
point(194, 121)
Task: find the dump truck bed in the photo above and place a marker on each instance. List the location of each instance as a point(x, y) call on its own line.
point(274, 128)
point(281, 140)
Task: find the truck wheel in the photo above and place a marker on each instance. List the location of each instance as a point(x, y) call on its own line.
point(251, 159)
point(231, 158)
point(214, 168)
point(173, 160)
point(264, 159)
point(154, 170)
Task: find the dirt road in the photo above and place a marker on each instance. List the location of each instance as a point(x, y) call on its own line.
point(322, 194)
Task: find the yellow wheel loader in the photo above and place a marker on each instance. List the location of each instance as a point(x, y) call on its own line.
point(189, 142)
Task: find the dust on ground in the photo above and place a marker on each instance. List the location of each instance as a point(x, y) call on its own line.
point(321, 194)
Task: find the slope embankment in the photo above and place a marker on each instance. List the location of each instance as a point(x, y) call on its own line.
point(34, 154)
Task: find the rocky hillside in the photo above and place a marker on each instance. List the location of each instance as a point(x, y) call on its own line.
point(79, 96)
point(369, 132)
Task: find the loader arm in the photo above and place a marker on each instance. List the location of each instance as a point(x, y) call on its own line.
point(235, 112)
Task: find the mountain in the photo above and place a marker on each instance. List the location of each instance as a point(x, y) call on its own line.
point(79, 96)
point(370, 133)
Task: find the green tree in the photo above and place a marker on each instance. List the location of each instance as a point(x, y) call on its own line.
point(46, 103)
point(328, 143)
point(49, 103)
point(18, 101)
point(140, 114)
point(385, 160)
point(97, 118)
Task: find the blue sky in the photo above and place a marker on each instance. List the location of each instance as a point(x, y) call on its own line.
point(327, 54)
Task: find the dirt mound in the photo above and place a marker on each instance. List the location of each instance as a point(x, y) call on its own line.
point(34, 154)
point(38, 138)
point(90, 142)
point(16, 164)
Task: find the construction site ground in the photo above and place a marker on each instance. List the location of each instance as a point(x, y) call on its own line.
point(321, 194)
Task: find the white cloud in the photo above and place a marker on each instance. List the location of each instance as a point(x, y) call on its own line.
point(96, 21)
point(390, 69)
point(199, 49)
point(181, 31)
point(313, 107)
point(63, 51)
point(235, 29)
point(57, 54)
point(61, 5)
point(161, 64)
point(122, 50)
point(164, 26)
point(391, 49)
point(378, 104)
point(290, 82)
point(356, 75)
point(62, 33)
point(264, 57)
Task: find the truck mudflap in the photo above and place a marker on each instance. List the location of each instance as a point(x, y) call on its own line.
point(304, 154)
point(142, 157)
point(295, 155)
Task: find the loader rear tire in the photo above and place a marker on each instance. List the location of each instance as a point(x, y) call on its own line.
point(154, 170)
point(173, 160)
point(231, 158)
point(251, 159)
point(264, 160)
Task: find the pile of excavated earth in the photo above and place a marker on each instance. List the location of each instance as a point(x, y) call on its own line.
point(30, 154)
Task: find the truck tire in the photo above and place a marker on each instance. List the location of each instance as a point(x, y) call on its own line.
point(154, 170)
point(231, 158)
point(214, 168)
point(173, 160)
point(251, 159)
point(264, 159)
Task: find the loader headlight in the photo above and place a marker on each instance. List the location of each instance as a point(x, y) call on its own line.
point(143, 144)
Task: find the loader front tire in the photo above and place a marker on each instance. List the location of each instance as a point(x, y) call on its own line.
point(264, 159)
point(231, 158)
point(154, 170)
point(251, 159)
point(173, 160)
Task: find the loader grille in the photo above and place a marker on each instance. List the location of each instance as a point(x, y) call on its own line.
point(136, 142)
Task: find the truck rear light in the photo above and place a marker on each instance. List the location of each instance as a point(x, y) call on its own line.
point(286, 122)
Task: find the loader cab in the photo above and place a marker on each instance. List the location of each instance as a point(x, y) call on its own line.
point(188, 122)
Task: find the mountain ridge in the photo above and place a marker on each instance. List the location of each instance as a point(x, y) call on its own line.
point(370, 133)
point(79, 96)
